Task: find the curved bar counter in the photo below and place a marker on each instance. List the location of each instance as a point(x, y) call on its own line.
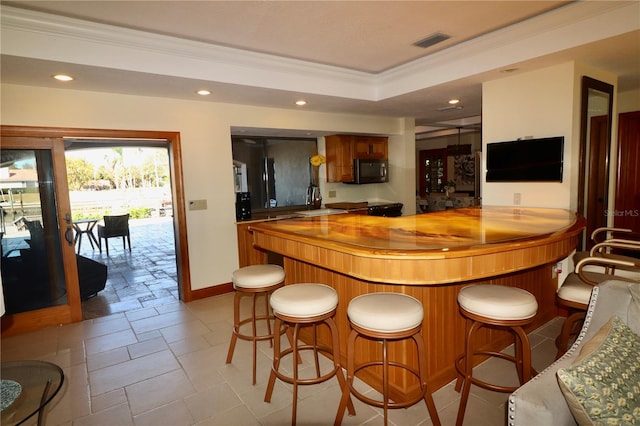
point(428, 256)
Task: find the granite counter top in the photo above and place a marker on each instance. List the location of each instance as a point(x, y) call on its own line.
point(449, 230)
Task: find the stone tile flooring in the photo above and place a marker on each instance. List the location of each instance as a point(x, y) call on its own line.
point(165, 365)
point(143, 278)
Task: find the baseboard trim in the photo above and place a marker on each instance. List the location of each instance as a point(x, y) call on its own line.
point(216, 290)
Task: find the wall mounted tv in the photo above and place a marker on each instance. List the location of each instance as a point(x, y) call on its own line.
point(525, 160)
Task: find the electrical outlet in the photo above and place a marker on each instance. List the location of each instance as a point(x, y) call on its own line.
point(516, 198)
point(198, 205)
point(332, 194)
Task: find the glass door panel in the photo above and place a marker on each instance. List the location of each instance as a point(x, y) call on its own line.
point(433, 171)
point(32, 270)
point(39, 273)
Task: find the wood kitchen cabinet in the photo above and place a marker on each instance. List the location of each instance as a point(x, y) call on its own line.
point(370, 147)
point(341, 150)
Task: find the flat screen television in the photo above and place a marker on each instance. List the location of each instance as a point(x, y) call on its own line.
point(525, 160)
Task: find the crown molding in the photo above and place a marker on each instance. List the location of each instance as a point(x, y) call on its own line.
point(57, 38)
point(576, 24)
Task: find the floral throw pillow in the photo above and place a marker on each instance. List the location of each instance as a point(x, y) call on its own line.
point(603, 386)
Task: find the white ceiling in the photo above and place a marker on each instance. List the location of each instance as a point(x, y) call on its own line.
point(342, 56)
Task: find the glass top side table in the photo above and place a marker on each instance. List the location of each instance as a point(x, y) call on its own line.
point(27, 387)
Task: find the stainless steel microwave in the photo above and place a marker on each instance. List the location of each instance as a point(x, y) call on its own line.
point(370, 170)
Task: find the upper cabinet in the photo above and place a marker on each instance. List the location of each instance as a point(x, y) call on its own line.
point(370, 147)
point(341, 150)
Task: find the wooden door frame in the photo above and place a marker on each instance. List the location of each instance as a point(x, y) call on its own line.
point(71, 311)
point(627, 198)
point(597, 191)
point(177, 186)
point(587, 84)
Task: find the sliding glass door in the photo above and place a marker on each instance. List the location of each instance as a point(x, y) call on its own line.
point(39, 271)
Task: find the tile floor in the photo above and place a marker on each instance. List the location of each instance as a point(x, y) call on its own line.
point(143, 278)
point(143, 358)
point(165, 365)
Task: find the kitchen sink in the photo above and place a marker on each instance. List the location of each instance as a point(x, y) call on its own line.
point(320, 212)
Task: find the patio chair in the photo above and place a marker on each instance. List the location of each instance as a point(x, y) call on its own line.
point(114, 226)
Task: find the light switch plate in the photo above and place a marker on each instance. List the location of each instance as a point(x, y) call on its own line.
point(198, 205)
point(517, 197)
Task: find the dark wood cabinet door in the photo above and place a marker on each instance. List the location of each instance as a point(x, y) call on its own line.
point(627, 202)
point(370, 147)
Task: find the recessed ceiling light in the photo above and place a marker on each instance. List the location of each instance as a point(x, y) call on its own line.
point(301, 102)
point(203, 92)
point(63, 77)
point(509, 70)
point(454, 101)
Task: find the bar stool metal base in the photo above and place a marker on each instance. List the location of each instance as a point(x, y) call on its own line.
point(297, 323)
point(464, 362)
point(386, 404)
point(254, 319)
point(572, 324)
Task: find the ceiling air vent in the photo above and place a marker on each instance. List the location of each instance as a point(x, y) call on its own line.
point(431, 40)
point(450, 108)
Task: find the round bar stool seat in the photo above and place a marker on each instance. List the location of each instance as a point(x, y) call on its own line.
point(499, 306)
point(387, 317)
point(254, 281)
point(296, 306)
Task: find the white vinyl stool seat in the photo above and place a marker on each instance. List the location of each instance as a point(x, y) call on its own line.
point(254, 281)
point(305, 305)
point(498, 302)
point(499, 306)
point(387, 317)
point(257, 276)
point(304, 300)
point(385, 312)
point(575, 290)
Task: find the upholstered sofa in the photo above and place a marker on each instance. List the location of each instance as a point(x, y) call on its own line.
point(541, 401)
point(92, 277)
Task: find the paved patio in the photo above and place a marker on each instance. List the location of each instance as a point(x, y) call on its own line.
point(144, 278)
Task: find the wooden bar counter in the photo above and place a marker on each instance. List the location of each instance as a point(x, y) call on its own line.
point(430, 257)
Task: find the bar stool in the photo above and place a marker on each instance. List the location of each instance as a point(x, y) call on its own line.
point(386, 317)
point(575, 292)
point(296, 306)
point(254, 281)
point(499, 306)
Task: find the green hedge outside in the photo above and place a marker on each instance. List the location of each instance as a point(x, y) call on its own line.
point(134, 213)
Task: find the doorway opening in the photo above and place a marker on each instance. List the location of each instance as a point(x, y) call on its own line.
point(60, 224)
point(129, 182)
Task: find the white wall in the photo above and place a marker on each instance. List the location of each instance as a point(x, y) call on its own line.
point(402, 160)
point(537, 104)
point(629, 101)
point(206, 152)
